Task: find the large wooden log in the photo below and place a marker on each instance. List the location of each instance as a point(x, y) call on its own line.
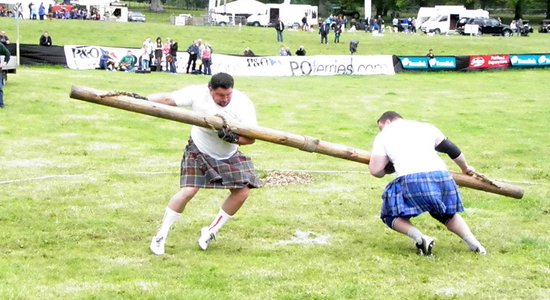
point(128, 102)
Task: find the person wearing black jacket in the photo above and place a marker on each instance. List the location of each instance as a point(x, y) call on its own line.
point(280, 27)
point(45, 39)
point(193, 51)
point(173, 55)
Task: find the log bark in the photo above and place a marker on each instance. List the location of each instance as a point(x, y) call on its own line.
point(302, 142)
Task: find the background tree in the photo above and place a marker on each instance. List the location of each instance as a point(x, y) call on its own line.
point(156, 6)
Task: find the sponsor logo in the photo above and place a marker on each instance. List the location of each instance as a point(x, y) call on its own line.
point(477, 62)
point(414, 62)
point(529, 60)
point(313, 68)
point(489, 61)
point(443, 63)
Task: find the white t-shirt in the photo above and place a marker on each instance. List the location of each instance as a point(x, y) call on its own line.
point(410, 145)
point(240, 110)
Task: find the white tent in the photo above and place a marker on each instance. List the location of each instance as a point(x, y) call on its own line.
point(110, 10)
point(241, 7)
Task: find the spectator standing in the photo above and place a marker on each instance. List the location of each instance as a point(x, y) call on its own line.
point(212, 158)
point(45, 39)
point(173, 56)
point(144, 60)
point(519, 25)
point(166, 52)
point(513, 26)
point(193, 51)
point(34, 11)
point(31, 5)
point(395, 24)
point(50, 11)
point(305, 25)
point(6, 53)
point(149, 49)
point(324, 28)
point(206, 57)
point(279, 27)
point(18, 10)
point(337, 30)
point(158, 54)
point(41, 11)
point(423, 183)
point(380, 24)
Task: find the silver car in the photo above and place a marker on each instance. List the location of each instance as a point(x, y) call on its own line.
point(136, 17)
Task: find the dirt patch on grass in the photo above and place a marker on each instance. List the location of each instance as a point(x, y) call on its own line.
point(283, 178)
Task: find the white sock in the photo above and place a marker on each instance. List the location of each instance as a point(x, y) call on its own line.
point(472, 242)
point(221, 218)
point(415, 234)
point(170, 217)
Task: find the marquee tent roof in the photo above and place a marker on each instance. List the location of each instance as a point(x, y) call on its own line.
point(241, 7)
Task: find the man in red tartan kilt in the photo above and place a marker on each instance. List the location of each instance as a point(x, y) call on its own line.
point(423, 183)
point(211, 158)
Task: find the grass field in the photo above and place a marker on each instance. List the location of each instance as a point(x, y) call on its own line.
point(83, 187)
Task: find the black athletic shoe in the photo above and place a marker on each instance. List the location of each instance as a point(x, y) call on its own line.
point(425, 248)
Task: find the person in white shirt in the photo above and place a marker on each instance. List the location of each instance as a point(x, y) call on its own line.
point(211, 158)
point(423, 183)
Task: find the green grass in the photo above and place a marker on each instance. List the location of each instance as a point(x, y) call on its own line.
point(83, 187)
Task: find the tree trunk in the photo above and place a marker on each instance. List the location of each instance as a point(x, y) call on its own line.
point(156, 6)
point(518, 9)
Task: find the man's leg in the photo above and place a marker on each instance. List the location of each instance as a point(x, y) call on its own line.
point(229, 208)
point(1, 90)
point(171, 215)
point(458, 226)
point(424, 243)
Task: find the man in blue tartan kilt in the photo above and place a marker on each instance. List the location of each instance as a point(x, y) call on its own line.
point(211, 158)
point(423, 183)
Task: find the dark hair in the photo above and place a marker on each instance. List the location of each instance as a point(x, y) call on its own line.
point(221, 80)
point(389, 115)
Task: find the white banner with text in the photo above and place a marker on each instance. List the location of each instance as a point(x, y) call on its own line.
point(93, 57)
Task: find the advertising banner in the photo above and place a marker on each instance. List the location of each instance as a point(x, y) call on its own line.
point(530, 60)
point(91, 57)
point(426, 64)
point(489, 61)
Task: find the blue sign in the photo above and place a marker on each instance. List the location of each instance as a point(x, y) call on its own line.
point(425, 63)
point(414, 62)
point(530, 60)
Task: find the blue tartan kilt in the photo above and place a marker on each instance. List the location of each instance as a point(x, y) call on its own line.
point(410, 195)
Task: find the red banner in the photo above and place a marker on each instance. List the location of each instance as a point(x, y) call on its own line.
point(489, 61)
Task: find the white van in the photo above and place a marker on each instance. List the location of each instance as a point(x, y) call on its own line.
point(445, 22)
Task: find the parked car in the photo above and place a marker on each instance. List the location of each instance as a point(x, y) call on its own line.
point(544, 26)
point(461, 23)
point(136, 17)
point(488, 26)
